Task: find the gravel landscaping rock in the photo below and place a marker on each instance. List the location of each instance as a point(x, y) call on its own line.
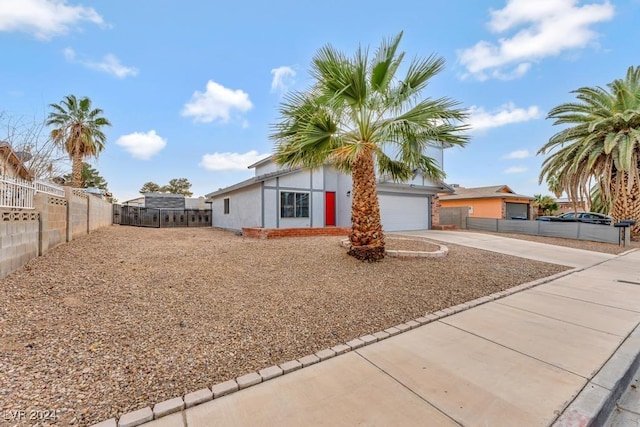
point(128, 317)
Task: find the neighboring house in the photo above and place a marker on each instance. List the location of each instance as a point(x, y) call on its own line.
point(566, 205)
point(285, 198)
point(498, 201)
point(11, 164)
point(167, 201)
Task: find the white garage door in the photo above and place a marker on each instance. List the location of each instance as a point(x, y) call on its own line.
point(400, 213)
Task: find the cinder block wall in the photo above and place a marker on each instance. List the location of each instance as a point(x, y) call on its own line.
point(100, 213)
point(53, 220)
point(454, 216)
point(78, 214)
point(25, 234)
point(18, 240)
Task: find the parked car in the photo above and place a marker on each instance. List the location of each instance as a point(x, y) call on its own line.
point(588, 217)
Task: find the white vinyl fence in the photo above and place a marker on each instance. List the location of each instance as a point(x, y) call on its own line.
point(18, 193)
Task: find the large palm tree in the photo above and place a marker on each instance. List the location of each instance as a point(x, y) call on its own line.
point(601, 147)
point(358, 112)
point(78, 129)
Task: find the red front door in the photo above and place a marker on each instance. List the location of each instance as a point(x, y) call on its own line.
point(329, 208)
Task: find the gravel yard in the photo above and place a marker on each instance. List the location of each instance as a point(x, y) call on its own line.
point(127, 317)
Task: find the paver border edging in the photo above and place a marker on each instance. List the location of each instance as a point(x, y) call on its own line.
point(442, 251)
point(252, 378)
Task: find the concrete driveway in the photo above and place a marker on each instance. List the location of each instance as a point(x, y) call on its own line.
point(521, 248)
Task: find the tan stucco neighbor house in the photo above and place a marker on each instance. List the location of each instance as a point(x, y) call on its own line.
point(498, 201)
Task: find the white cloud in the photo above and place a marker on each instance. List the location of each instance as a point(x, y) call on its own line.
point(230, 161)
point(544, 28)
point(216, 103)
point(110, 64)
point(481, 120)
point(283, 79)
point(142, 145)
point(515, 169)
point(518, 154)
point(44, 18)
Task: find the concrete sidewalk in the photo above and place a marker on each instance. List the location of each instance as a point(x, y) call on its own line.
point(521, 248)
point(518, 360)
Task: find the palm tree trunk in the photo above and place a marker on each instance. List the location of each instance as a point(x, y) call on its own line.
point(76, 170)
point(626, 203)
point(367, 239)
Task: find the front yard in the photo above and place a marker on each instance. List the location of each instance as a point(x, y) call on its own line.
point(127, 317)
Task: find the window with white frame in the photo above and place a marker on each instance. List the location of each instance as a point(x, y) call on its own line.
point(226, 206)
point(294, 205)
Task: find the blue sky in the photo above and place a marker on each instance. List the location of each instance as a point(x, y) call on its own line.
point(192, 87)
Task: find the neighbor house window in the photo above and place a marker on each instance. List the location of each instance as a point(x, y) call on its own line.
point(226, 205)
point(294, 205)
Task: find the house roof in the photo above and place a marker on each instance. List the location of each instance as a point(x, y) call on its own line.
point(251, 181)
point(495, 191)
point(261, 162)
point(7, 151)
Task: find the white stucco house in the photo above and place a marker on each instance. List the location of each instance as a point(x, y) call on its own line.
point(286, 198)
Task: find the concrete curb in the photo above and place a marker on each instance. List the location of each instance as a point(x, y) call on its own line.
point(263, 375)
point(597, 400)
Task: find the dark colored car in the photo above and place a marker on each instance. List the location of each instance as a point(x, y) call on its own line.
point(588, 217)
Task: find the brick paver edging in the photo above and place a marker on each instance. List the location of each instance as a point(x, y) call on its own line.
point(442, 251)
point(141, 416)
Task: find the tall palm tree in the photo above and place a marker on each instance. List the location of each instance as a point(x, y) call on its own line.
point(357, 112)
point(78, 129)
point(555, 186)
point(602, 145)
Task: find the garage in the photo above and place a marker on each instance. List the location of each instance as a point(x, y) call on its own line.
point(399, 212)
point(517, 211)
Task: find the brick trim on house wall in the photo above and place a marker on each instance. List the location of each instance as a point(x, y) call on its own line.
point(275, 233)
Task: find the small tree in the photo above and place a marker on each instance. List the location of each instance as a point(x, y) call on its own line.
point(178, 186)
point(546, 204)
point(90, 178)
point(150, 187)
point(42, 157)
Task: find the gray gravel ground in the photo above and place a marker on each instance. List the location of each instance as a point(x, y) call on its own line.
point(127, 317)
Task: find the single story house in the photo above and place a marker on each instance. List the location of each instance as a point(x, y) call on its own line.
point(286, 198)
point(167, 201)
point(11, 164)
point(566, 205)
point(498, 201)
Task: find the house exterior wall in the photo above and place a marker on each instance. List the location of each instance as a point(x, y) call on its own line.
point(316, 183)
point(343, 202)
point(245, 209)
point(7, 168)
point(270, 207)
point(436, 153)
point(265, 168)
point(484, 208)
point(480, 208)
